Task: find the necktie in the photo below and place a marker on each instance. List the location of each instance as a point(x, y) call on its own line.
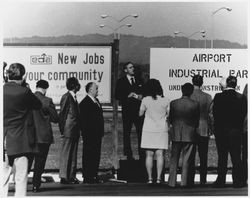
point(97, 102)
point(75, 98)
point(132, 81)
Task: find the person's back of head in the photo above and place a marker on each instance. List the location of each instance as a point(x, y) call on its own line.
point(88, 86)
point(16, 71)
point(197, 80)
point(153, 88)
point(187, 89)
point(231, 82)
point(42, 84)
point(72, 84)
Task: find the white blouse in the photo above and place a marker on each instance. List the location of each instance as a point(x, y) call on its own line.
point(156, 113)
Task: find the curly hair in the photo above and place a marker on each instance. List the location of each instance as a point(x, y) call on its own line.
point(72, 83)
point(16, 71)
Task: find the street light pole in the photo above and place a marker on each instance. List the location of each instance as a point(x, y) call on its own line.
point(205, 40)
point(114, 78)
point(213, 13)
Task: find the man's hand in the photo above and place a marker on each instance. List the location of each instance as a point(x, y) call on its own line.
point(139, 97)
point(132, 94)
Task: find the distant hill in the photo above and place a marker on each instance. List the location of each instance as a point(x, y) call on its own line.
point(132, 48)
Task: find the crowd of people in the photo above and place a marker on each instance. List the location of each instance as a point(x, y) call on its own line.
point(181, 125)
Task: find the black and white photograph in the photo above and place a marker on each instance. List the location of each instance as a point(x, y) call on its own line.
point(124, 98)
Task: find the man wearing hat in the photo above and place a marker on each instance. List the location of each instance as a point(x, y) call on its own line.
point(44, 134)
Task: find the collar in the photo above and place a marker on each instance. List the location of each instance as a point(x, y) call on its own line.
point(39, 90)
point(129, 77)
point(19, 82)
point(92, 98)
point(229, 88)
point(73, 94)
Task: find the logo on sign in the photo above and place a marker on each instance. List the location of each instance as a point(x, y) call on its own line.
point(42, 59)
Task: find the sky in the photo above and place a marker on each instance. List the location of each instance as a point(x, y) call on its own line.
point(56, 18)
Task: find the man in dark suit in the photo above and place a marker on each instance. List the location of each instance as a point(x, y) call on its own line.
point(44, 134)
point(244, 154)
point(92, 127)
point(69, 124)
point(229, 111)
point(129, 92)
point(19, 130)
point(204, 100)
point(184, 120)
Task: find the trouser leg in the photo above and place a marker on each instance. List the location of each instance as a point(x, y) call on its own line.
point(202, 151)
point(222, 150)
point(244, 158)
point(40, 161)
point(174, 160)
point(91, 158)
point(138, 126)
point(21, 175)
point(235, 152)
point(127, 126)
point(188, 164)
point(73, 159)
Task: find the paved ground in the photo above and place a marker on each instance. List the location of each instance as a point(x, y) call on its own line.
point(112, 187)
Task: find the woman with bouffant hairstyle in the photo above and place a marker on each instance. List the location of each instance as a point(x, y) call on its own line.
point(155, 128)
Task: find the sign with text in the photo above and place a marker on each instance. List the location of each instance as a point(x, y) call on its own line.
point(174, 67)
point(57, 63)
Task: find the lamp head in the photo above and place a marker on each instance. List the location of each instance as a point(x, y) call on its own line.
point(229, 9)
point(104, 16)
point(134, 15)
point(129, 25)
point(102, 26)
point(203, 31)
point(176, 32)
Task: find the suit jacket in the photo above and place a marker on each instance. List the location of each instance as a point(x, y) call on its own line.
point(229, 110)
point(92, 121)
point(184, 117)
point(123, 89)
point(19, 129)
point(69, 123)
point(204, 101)
point(43, 117)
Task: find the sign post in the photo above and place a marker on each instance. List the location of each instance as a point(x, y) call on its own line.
point(115, 104)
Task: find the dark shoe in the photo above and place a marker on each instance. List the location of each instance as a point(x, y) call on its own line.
point(218, 184)
point(74, 181)
point(239, 185)
point(203, 183)
point(64, 181)
point(98, 180)
point(130, 158)
point(36, 189)
point(88, 181)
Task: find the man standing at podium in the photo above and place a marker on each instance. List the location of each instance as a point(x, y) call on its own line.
point(129, 92)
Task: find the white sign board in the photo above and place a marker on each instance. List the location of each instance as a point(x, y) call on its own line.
point(57, 63)
point(174, 67)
